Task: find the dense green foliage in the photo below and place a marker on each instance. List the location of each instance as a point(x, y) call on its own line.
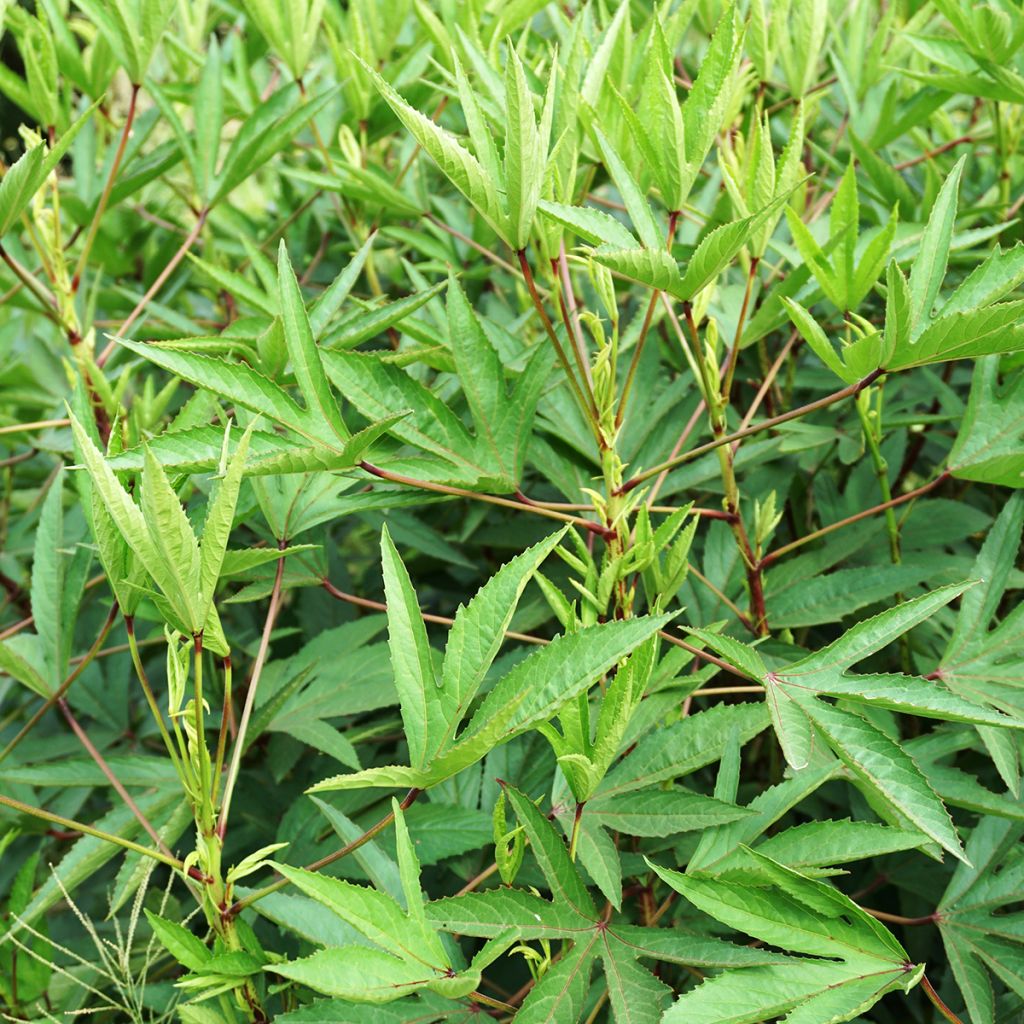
point(511, 509)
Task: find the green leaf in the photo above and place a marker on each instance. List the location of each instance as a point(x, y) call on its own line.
point(930, 266)
point(217, 528)
point(989, 446)
point(592, 225)
point(886, 771)
point(660, 812)
point(410, 657)
point(455, 161)
point(864, 961)
point(14, 663)
point(647, 228)
point(718, 248)
point(978, 934)
point(179, 942)
point(525, 152)
point(302, 349)
point(26, 176)
point(478, 633)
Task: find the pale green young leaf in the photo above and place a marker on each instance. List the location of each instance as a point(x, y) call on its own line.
point(812, 333)
point(236, 382)
point(534, 690)
point(357, 974)
point(652, 267)
point(930, 266)
point(13, 662)
point(374, 914)
point(707, 100)
point(217, 527)
point(47, 591)
point(525, 153)
point(208, 109)
point(334, 295)
point(456, 162)
point(816, 260)
point(647, 228)
point(476, 124)
point(123, 511)
point(408, 869)
point(271, 127)
point(26, 176)
point(172, 537)
point(552, 855)
point(996, 276)
point(844, 224)
point(718, 249)
point(186, 948)
point(800, 34)
point(873, 259)
point(480, 370)
point(592, 225)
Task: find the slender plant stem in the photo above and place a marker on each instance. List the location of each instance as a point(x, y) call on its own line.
point(154, 707)
point(673, 220)
point(638, 349)
point(882, 474)
point(744, 620)
point(574, 837)
point(222, 736)
point(491, 499)
point(477, 880)
point(695, 453)
point(717, 404)
point(932, 153)
point(937, 1002)
point(722, 691)
point(63, 688)
point(472, 243)
point(24, 428)
point(907, 922)
point(43, 294)
point(76, 826)
point(775, 555)
point(573, 325)
point(156, 285)
point(703, 655)
point(766, 384)
point(114, 781)
point(586, 403)
point(494, 1004)
point(442, 620)
point(331, 858)
point(108, 188)
point(238, 747)
point(734, 352)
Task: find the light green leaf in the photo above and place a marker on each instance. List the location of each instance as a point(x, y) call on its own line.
point(930, 266)
point(410, 657)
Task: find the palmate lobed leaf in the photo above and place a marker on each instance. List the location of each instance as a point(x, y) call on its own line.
point(158, 532)
point(786, 909)
point(879, 764)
